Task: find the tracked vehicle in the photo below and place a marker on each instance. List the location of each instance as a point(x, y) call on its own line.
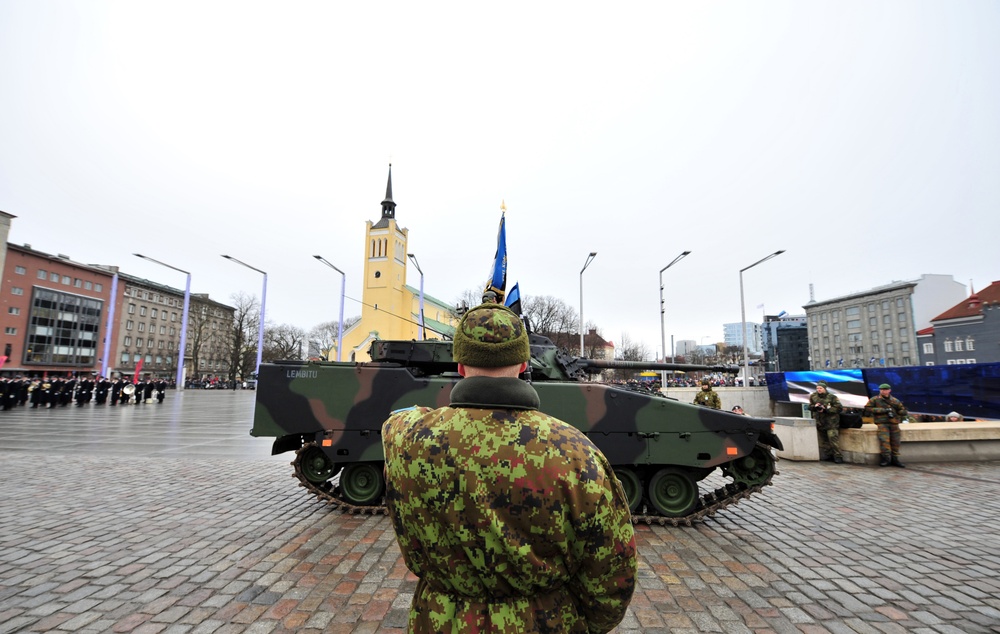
point(331, 413)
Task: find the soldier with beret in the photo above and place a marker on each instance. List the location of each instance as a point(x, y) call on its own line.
point(708, 397)
point(513, 520)
point(888, 412)
point(826, 409)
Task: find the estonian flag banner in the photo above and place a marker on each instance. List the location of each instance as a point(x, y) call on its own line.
point(498, 275)
point(514, 299)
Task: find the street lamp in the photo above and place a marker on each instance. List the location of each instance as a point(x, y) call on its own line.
point(590, 258)
point(743, 313)
point(413, 258)
point(184, 318)
point(663, 331)
point(340, 324)
point(263, 299)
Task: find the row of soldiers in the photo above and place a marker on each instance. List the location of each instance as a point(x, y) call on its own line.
point(53, 392)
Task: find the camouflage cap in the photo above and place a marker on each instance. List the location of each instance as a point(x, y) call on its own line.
point(706, 381)
point(821, 384)
point(885, 386)
point(491, 336)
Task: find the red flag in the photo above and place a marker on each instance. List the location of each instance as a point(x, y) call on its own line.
point(3, 360)
point(138, 369)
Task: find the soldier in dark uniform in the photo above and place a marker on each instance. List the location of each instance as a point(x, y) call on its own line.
point(36, 394)
point(66, 394)
point(533, 534)
point(161, 390)
point(140, 389)
point(22, 395)
point(116, 390)
point(85, 392)
point(148, 389)
point(888, 411)
point(103, 387)
point(708, 397)
point(7, 393)
point(826, 409)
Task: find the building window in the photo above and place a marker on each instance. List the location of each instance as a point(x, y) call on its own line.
point(159, 344)
point(142, 311)
point(136, 357)
point(124, 360)
point(66, 280)
point(53, 277)
point(131, 309)
point(904, 347)
point(62, 329)
point(128, 341)
point(128, 325)
point(899, 302)
point(854, 323)
point(903, 332)
point(852, 312)
point(889, 347)
point(970, 360)
point(138, 342)
point(947, 345)
point(142, 326)
point(970, 345)
point(885, 304)
point(872, 321)
point(16, 290)
point(77, 282)
point(14, 310)
point(98, 287)
point(173, 316)
point(901, 318)
point(163, 330)
point(928, 348)
point(42, 274)
point(20, 270)
point(886, 319)
point(152, 313)
point(959, 345)
point(88, 285)
point(10, 330)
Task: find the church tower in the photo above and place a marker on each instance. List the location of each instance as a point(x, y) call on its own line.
point(384, 295)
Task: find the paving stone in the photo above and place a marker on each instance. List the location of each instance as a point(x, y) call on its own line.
point(222, 541)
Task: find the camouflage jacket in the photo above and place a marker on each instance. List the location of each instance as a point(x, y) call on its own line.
point(826, 410)
point(513, 520)
point(708, 398)
point(886, 410)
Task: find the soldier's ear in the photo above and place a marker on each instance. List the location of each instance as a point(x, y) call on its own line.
point(524, 367)
point(461, 369)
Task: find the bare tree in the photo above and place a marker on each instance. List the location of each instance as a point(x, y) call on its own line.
point(243, 350)
point(630, 350)
point(283, 342)
point(198, 334)
point(324, 336)
point(550, 315)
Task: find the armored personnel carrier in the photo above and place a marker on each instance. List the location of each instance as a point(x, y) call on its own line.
point(331, 413)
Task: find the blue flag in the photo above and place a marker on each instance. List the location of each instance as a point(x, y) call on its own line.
point(498, 275)
point(514, 299)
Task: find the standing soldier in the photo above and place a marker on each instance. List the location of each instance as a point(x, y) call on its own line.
point(826, 410)
point(888, 412)
point(531, 532)
point(708, 397)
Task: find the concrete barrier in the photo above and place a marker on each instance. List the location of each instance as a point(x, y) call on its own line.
point(919, 442)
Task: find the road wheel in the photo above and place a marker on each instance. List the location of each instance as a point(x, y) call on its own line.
point(632, 486)
point(316, 466)
point(673, 492)
point(362, 483)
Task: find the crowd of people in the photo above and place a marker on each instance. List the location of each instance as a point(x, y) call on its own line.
point(61, 391)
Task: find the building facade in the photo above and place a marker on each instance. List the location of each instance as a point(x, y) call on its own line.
point(733, 336)
point(785, 343)
point(877, 327)
point(54, 313)
point(968, 332)
point(151, 315)
point(390, 308)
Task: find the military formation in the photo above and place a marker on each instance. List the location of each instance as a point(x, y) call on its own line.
point(62, 391)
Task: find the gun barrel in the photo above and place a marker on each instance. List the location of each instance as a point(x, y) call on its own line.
point(648, 365)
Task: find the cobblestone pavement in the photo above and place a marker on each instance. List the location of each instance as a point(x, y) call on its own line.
point(174, 520)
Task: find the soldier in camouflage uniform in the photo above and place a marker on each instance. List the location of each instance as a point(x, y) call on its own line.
point(826, 410)
point(888, 411)
point(708, 397)
point(513, 520)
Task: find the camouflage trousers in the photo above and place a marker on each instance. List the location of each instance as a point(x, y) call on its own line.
point(888, 439)
point(829, 442)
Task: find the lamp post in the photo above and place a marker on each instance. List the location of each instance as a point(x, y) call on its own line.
point(340, 324)
point(663, 331)
point(184, 318)
point(413, 258)
point(743, 314)
point(590, 258)
point(263, 299)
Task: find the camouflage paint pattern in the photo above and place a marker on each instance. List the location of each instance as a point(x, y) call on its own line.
point(549, 549)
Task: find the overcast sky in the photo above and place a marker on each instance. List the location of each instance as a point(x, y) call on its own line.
point(863, 138)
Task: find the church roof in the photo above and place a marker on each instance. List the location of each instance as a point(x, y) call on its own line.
point(972, 305)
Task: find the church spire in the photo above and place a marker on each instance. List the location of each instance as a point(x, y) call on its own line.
point(388, 206)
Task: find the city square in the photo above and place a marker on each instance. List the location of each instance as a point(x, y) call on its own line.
point(171, 518)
